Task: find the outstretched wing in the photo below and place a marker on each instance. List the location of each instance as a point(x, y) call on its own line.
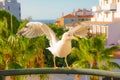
point(80, 30)
point(34, 29)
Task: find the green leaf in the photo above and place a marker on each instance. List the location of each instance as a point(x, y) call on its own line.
point(14, 65)
point(1, 59)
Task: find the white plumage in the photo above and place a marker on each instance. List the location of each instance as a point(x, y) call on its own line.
point(60, 48)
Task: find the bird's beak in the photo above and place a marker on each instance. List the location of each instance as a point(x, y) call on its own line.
point(20, 33)
point(75, 38)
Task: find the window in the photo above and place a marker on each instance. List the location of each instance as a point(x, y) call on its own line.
point(82, 19)
point(9, 8)
point(106, 1)
point(19, 14)
point(113, 1)
point(97, 15)
point(106, 14)
point(79, 19)
point(9, 0)
point(101, 3)
point(72, 20)
point(113, 13)
point(19, 8)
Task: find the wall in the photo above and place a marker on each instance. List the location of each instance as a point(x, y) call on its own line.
point(14, 8)
point(0, 4)
point(70, 20)
point(114, 32)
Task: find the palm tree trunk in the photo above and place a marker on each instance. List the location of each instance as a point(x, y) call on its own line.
point(94, 64)
point(94, 77)
point(40, 59)
point(38, 62)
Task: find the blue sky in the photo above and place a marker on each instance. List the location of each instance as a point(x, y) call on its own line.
point(52, 9)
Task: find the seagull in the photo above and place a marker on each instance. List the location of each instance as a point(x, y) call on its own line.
point(58, 47)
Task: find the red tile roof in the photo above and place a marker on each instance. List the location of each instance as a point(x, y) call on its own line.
point(79, 10)
point(88, 10)
point(70, 16)
point(73, 16)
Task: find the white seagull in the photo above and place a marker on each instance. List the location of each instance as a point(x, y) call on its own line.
point(59, 48)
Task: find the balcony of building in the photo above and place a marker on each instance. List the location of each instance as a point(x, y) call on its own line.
point(118, 6)
point(93, 19)
point(96, 9)
point(110, 7)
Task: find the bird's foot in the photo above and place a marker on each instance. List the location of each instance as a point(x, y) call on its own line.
point(69, 67)
point(55, 68)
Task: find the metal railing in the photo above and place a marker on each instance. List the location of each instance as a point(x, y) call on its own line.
point(59, 71)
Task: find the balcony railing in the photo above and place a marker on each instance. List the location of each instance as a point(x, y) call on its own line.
point(110, 7)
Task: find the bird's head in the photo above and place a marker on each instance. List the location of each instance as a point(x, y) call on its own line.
point(67, 36)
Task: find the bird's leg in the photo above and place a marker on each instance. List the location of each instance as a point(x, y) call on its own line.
point(67, 63)
point(55, 67)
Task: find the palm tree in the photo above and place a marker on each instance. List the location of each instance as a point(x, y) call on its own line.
point(19, 52)
point(91, 53)
point(9, 47)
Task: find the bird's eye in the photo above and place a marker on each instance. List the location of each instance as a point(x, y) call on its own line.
point(26, 26)
point(69, 35)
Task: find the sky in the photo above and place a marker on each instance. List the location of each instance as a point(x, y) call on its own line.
point(52, 9)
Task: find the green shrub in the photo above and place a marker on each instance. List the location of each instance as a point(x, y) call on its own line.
point(4, 15)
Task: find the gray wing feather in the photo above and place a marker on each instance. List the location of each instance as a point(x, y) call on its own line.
point(80, 30)
point(35, 29)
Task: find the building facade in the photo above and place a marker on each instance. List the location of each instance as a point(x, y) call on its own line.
point(106, 21)
point(106, 17)
point(12, 6)
point(107, 10)
point(75, 16)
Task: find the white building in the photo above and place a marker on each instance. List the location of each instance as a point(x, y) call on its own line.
point(11, 6)
point(107, 20)
point(107, 11)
